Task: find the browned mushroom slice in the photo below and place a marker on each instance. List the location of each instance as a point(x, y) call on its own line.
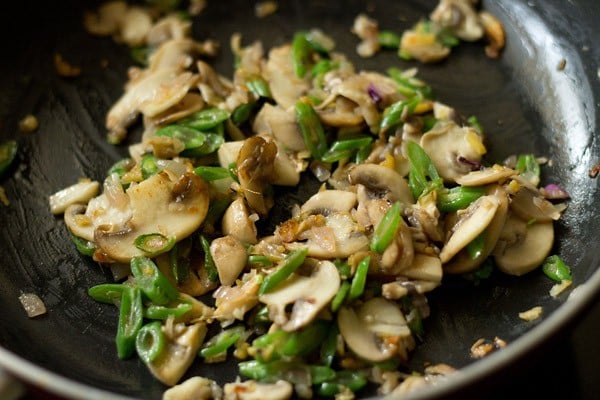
point(486, 176)
point(236, 222)
point(281, 124)
point(173, 207)
point(529, 204)
point(190, 103)
point(328, 201)
point(423, 46)
point(528, 253)
point(285, 86)
point(460, 17)
point(463, 262)
point(340, 113)
point(447, 143)
point(366, 329)
point(381, 182)
point(230, 256)
point(255, 170)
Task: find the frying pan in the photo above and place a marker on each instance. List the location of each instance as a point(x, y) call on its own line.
point(523, 100)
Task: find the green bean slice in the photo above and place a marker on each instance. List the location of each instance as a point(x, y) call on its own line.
point(291, 262)
point(458, 198)
point(130, 321)
point(109, 293)
point(150, 280)
point(150, 341)
point(386, 229)
point(357, 287)
point(311, 128)
point(205, 119)
point(154, 244)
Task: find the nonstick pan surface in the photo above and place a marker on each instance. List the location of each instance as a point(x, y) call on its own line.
point(524, 100)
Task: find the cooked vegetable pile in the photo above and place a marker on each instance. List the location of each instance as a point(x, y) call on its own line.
point(334, 298)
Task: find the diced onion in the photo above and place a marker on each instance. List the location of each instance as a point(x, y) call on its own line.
point(32, 304)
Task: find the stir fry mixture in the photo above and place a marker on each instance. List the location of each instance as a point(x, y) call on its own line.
point(334, 297)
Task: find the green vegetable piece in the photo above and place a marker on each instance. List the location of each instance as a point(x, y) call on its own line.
point(389, 39)
point(205, 119)
point(179, 260)
point(447, 38)
point(458, 198)
point(130, 321)
point(109, 293)
point(262, 261)
point(357, 287)
point(303, 342)
point(179, 309)
point(485, 270)
point(474, 122)
point(340, 296)
point(556, 269)
point(85, 247)
point(149, 166)
point(353, 380)
point(270, 343)
point(209, 173)
point(300, 54)
point(8, 154)
point(528, 166)
point(121, 167)
point(475, 247)
point(191, 138)
point(242, 113)
point(216, 208)
point(290, 264)
point(321, 373)
point(150, 342)
point(343, 267)
point(254, 369)
point(422, 176)
point(152, 282)
point(209, 263)
point(386, 229)
point(259, 87)
point(397, 113)
point(154, 244)
point(329, 346)
point(141, 54)
point(311, 128)
point(221, 342)
point(211, 144)
point(409, 85)
point(343, 149)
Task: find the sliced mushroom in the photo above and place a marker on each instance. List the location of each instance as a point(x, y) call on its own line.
point(529, 204)
point(327, 201)
point(308, 294)
point(486, 176)
point(196, 283)
point(134, 26)
point(230, 256)
point(79, 193)
point(281, 123)
point(400, 254)
point(228, 152)
point(173, 207)
point(402, 287)
point(190, 103)
point(460, 17)
point(105, 21)
point(252, 390)
point(423, 46)
point(474, 220)
point(342, 112)
point(381, 182)
point(463, 262)
point(196, 388)
point(236, 222)
point(424, 268)
point(285, 86)
point(529, 253)
point(181, 349)
point(170, 27)
point(173, 54)
point(494, 33)
point(255, 170)
point(233, 302)
point(365, 331)
point(446, 143)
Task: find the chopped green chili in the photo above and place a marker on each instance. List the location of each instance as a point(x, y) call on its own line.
point(121, 167)
point(386, 229)
point(154, 244)
point(303, 342)
point(397, 112)
point(353, 380)
point(458, 198)
point(176, 310)
point(179, 260)
point(205, 120)
point(556, 269)
point(130, 321)
point(343, 149)
point(389, 39)
point(209, 263)
point(210, 173)
point(311, 128)
point(300, 54)
point(291, 262)
point(150, 341)
point(423, 176)
point(109, 293)
point(149, 166)
point(211, 144)
point(357, 287)
point(152, 282)
point(528, 166)
point(409, 85)
point(340, 296)
point(221, 342)
point(242, 113)
point(259, 87)
point(329, 345)
point(262, 261)
point(476, 246)
point(85, 247)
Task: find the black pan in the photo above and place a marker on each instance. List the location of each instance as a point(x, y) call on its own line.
point(524, 100)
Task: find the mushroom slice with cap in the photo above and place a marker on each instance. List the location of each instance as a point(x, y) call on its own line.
point(471, 222)
point(425, 268)
point(447, 143)
point(308, 294)
point(230, 256)
point(460, 17)
point(190, 103)
point(196, 388)
point(255, 170)
point(341, 113)
point(233, 302)
point(367, 330)
point(181, 349)
point(328, 201)
point(285, 86)
point(381, 182)
point(236, 222)
point(463, 262)
point(494, 174)
point(528, 253)
point(252, 390)
point(172, 206)
point(281, 124)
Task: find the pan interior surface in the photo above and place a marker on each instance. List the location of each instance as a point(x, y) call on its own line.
point(525, 102)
